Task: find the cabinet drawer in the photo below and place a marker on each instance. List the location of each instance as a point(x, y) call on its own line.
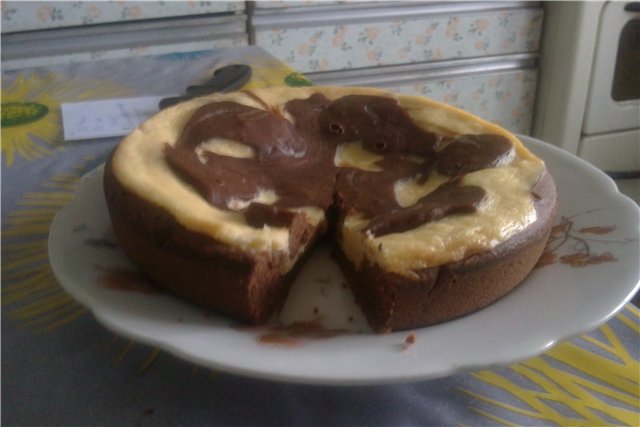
point(286, 4)
point(346, 36)
point(118, 40)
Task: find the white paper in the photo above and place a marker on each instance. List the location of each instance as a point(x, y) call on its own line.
point(106, 117)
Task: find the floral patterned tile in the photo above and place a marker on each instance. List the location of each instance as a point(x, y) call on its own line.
point(409, 40)
point(37, 15)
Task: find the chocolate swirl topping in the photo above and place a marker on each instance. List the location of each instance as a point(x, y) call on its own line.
point(297, 161)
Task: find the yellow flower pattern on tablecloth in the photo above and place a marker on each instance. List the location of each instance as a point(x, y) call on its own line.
point(30, 291)
point(596, 386)
point(31, 118)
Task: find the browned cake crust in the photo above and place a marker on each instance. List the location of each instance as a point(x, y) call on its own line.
point(393, 302)
point(250, 287)
point(196, 267)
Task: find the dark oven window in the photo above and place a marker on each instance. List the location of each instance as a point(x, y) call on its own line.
point(626, 78)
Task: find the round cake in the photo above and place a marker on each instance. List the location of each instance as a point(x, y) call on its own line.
point(434, 212)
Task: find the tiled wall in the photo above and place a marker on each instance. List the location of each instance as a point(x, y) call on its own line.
point(40, 15)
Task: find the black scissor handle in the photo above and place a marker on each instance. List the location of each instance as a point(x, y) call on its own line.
point(225, 79)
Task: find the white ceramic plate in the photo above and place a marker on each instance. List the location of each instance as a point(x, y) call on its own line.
point(592, 272)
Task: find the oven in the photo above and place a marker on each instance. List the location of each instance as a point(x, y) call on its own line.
point(589, 90)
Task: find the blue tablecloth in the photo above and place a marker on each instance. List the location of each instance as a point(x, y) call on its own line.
point(60, 367)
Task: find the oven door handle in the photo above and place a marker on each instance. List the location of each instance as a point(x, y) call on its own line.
point(633, 6)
